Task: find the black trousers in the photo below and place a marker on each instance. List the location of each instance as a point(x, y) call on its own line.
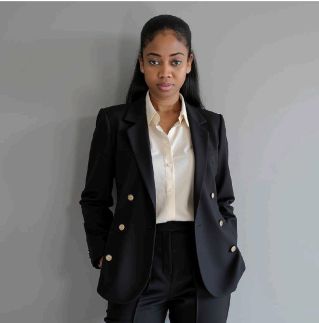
point(175, 285)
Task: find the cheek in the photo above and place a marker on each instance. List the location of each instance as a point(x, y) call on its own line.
point(148, 81)
point(150, 78)
point(181, 77)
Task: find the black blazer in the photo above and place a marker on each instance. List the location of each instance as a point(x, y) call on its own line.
point(120, 149)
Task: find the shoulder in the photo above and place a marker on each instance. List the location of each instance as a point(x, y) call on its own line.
point(212, 117)
point(216, 122)
point(113, 111)
point(112, 115)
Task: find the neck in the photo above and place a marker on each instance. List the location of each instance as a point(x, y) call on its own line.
point(166, 106)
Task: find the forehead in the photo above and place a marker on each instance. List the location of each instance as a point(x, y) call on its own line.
point(165, 43)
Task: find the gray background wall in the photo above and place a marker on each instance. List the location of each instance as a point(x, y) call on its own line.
point(61, 62)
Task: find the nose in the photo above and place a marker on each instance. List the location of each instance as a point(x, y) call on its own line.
point(165, 71)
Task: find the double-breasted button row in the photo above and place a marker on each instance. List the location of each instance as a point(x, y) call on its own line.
point(221, 222)
point(121, 228)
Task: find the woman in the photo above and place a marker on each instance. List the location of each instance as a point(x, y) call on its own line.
point(170, 246)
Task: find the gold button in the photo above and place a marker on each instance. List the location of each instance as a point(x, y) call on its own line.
point(221, 222)
point(233, 249)
point(108, 257)
point(121, 226)
point(212, 195)
point(130, 197)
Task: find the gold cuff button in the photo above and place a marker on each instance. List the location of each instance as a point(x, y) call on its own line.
point(130, 197)
point(108, 257)
point(212, 195)
point(121, 226)
point(233, 249)
point(221, 223)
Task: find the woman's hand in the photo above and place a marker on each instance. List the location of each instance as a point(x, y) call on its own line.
point(100, 263)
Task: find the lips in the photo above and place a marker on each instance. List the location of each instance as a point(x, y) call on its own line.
point(165, 86)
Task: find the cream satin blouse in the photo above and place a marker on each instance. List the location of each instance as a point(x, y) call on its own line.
point(173, 164)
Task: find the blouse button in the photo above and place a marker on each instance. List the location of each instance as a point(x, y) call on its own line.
point(221, 223)
point(212, 195)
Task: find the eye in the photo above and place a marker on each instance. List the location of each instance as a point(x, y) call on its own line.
point(152, 60)
point(180, 62)
point(174, 61)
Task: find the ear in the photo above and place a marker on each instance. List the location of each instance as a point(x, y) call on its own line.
point(189, 63)
point(141, 63)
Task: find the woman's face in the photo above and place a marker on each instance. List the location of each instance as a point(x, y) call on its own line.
point(165, 61)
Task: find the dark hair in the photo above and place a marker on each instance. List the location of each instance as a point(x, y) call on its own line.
point(190, 88)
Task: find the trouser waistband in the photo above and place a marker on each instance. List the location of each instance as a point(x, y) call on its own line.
point(175, 226)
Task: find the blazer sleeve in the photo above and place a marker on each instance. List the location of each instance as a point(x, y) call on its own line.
point(96, 198)
point(225, 194)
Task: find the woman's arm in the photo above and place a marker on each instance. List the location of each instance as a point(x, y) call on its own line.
point(225, 194)
point(96, 197)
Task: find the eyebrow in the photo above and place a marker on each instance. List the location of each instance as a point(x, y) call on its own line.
point(155, 54)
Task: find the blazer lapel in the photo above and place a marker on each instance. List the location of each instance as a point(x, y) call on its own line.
point(199, 135)
point(138, 137)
